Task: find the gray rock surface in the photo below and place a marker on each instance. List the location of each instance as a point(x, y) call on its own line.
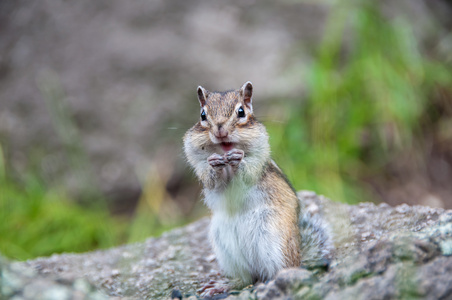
point(18, 281)
point(382, 252)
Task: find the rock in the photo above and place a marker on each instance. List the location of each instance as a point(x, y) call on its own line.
point(18, 281)
point(382, 252)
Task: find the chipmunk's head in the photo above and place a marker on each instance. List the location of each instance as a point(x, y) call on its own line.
point(226, 122)
point(227, 117)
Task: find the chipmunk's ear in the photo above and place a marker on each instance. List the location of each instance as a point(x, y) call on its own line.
point(247, 93)
point(202, 95)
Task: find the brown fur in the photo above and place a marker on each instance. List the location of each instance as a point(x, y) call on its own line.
point(221, 105)
point(285, 202)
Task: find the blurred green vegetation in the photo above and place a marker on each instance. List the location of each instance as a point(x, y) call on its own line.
point(370, 87)
point(369, 92)
point(38, 221)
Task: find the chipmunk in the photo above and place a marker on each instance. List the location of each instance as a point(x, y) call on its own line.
point(258, 224)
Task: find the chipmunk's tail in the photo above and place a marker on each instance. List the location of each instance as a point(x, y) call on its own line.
point(316, 241)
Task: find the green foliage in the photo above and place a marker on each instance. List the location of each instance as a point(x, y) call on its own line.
point(363, 104)
point(37, 222)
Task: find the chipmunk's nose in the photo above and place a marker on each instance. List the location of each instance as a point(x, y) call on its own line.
point(221, 133)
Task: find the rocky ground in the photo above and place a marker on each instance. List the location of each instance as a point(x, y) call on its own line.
point(382, 252)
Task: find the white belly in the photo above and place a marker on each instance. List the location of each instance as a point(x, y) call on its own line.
point(246, 244)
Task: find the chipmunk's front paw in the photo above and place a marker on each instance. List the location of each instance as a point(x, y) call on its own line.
point(234, 157)
point(217, 161)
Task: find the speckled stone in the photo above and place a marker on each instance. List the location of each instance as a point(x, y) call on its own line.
point(381, 253)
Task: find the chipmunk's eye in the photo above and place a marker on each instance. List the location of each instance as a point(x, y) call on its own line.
point(241, 112)
point(203, 115)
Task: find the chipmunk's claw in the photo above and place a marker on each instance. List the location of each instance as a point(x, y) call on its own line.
point(234, 157)
point(217, 161)
point(212, 288)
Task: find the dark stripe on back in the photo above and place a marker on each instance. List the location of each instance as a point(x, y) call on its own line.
point(271, 168)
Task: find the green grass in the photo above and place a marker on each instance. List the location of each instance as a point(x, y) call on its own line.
point(39, 220)
point(365, 100)
point(36, 221)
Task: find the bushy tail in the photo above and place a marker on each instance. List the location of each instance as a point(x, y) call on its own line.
point(316, 241)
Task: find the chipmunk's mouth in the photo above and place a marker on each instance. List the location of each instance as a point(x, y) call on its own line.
point(227, 146)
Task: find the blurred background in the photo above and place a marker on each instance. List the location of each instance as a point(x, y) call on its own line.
point(95, 97)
